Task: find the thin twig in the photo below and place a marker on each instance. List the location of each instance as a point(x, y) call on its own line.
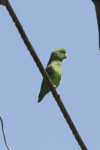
point(4, 134)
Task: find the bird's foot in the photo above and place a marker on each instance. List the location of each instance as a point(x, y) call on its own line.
point(54, 86)
point(58, 95)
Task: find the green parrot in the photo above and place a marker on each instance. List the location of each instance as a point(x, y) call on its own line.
point(54, 71)
point(97, 8)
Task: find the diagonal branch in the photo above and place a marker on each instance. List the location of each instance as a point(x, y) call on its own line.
point(45, 76)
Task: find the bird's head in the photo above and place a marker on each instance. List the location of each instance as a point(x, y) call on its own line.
point(58, 54)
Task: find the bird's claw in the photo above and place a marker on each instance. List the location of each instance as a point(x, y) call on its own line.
point(54, 86)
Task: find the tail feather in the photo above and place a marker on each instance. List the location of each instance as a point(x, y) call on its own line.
point(40, 99)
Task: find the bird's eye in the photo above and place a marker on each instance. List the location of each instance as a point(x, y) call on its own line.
point(62, 51)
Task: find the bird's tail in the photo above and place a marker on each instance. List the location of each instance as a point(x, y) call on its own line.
point(40, 97)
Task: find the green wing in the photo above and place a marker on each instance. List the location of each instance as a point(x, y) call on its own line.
point(44, 87)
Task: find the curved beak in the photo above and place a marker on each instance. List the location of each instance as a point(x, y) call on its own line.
point(65, 56)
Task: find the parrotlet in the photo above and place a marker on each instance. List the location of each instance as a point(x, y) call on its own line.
point(54, 71)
